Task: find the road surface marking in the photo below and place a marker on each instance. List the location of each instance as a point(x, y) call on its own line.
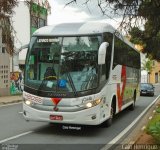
point(119, 136)
point(21, 112)
point(16, 136)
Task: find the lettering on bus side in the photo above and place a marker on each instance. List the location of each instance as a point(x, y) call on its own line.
point(87, 99)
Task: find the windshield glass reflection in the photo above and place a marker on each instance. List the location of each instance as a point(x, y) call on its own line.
point(63, 64)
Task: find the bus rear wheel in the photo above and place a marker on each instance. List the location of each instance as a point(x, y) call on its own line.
point(109, 121)
point(132, 107)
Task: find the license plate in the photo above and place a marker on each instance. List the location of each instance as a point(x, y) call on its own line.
point(56, 117)
point(144, 92)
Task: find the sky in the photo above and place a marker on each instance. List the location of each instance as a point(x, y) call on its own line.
point(79, 12)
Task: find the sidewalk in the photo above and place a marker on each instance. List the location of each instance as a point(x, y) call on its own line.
point(10, 99)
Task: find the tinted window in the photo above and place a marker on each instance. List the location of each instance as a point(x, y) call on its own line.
point(125, 55)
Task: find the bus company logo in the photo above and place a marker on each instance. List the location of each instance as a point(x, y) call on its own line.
point(56, 101)
point(33, 98)
point(55, 108)
point(114, 77)
point(87, 99)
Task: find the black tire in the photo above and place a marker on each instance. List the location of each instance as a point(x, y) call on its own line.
point(109, 121)
point(132, 107)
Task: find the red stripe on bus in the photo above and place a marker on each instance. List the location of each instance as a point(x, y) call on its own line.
point(120, 93)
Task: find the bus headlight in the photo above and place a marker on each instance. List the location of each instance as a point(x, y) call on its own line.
point(27, 102)
point(89, 105)
point(93, 103)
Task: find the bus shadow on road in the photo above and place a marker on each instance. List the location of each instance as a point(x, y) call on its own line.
point(70, 129)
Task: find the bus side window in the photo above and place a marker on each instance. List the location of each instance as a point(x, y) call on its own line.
point(125, 55)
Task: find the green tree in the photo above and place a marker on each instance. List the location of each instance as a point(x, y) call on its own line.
point(6, 9)
point(134, 14)
point(148, 39)
point(6, 12)
point(148, 66)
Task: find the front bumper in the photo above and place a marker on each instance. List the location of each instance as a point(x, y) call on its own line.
point(147, 93)
point(89, 116)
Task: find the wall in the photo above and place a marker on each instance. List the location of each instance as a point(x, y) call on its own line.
point(21, 24)
point(144, 77)
point(25, 25)
point(155, 74)
point(4, 69)
point(16, 81)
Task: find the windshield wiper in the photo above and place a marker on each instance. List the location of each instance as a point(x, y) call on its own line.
point(72, 84)
point(76, 55)
point(67, 55)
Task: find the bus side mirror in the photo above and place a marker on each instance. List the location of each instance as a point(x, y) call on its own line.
point(102, 53)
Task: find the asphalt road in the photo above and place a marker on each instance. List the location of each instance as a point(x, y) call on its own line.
point(22, 135)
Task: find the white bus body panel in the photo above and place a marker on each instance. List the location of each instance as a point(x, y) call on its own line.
point(101, 111)
point(84, 116)
point(81, 117)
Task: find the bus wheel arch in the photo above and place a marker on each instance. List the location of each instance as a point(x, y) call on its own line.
point(109, 121)
point(113, 104)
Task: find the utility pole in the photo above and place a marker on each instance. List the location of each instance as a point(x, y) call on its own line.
point(0, 37)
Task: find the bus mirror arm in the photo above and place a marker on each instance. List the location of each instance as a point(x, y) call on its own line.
point(102, 53)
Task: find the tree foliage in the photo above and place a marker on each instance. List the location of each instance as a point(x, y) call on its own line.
point(6, 6)
point(150, 36)
point(147, 65)
point(134, 14)
point(6, 9)
point(6, 12)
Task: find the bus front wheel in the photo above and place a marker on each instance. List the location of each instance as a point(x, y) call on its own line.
point(109, 121)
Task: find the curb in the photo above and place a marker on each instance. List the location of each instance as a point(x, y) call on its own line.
point(10, 102)
point(145, 120)
point(132, 138)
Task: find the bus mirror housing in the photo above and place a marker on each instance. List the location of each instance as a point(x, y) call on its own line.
point(102, 53)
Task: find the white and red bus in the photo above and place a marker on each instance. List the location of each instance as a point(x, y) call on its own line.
point(79, 73)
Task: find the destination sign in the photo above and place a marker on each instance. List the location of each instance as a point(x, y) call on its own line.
point(47, 40)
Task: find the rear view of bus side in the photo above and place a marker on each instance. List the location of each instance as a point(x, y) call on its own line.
point(79, 73)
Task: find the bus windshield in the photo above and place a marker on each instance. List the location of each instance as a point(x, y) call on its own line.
point(62, 64)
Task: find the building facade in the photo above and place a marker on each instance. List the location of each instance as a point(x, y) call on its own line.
point(154, 75)
point(4, 68)
point(28, 16)
point(26, 19)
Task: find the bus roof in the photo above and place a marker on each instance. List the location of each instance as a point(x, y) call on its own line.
point(68, 29)
point(75, 29)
